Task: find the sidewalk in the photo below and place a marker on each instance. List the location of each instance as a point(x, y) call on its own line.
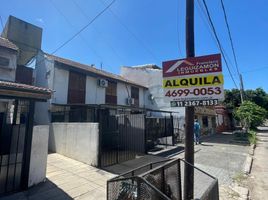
point(258, 180)
point(67, 179)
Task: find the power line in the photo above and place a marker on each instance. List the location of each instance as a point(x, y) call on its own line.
point(83, 28)
point(218, 41)
point(210, 29)
point(230, 36)
point(98, 32)
point(68, 21)
point(131, 33)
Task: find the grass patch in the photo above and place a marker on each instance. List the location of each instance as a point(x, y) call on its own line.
point(239, 178)
point(252, 137)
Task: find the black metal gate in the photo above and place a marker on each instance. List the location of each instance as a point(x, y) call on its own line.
point(14, 129)
point(159, 132)
point(121, 136)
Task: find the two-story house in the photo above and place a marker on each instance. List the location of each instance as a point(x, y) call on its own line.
point(77, 87)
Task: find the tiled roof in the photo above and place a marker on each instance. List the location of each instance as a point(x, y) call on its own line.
point(38, 91)
point(93, 70)
point(6, 43)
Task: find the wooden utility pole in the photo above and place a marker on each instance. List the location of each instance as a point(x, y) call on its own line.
point(189, 111)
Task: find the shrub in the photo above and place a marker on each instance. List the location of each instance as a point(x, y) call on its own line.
point(250, 115)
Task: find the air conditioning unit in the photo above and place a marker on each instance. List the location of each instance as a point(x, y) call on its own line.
point(130, 101)
point(103, 83)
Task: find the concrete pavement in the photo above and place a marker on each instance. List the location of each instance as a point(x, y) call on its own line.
point(219, 156)
point(70, 179)
point(67, 179)
point(258, 179)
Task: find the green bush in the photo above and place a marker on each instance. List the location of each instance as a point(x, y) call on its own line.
point(252, 137)
point(250, 115)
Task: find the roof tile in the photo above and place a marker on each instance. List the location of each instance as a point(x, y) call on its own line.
point(92, 69)
point(7, 44)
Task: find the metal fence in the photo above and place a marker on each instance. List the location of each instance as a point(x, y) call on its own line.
point(125, 132)
point(14, 141)
point(161, 182)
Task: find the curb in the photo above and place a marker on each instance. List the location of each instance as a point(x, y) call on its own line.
point(243, 192)
point(247, 167)
point(252, 149)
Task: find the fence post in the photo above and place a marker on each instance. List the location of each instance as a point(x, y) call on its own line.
point(172, 129)
point(145, 135)
point(163, 180)
point(179, 180)
point(100, 136)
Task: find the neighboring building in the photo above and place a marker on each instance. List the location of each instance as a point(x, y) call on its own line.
point(23, 147)
point(8, 60)
point(151, 76)
point(224, 119)
point(206, 116)
point(75, 85)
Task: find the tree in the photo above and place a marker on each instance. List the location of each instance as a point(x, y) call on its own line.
point(258, 96)
point(250, 114)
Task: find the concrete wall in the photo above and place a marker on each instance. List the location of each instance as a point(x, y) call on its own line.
point(123, 92)
point(45, 75)
point(78, 141)
point(8, 73)
point(94, 93)
point(39, 152)
point(26, 36)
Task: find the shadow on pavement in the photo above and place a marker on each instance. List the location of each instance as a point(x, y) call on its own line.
point(42, 191)
point(171, 152)
point(221, 138)
point(133, 164)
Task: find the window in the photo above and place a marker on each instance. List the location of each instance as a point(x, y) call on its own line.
point(111, 93)
point(4, 62)
point(76, 88)
point(135, 95)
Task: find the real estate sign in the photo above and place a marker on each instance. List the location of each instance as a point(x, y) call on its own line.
point(195, 81)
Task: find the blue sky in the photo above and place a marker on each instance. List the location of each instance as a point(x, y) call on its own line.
point(149, 31)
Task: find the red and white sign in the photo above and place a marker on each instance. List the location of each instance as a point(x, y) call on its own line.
point(193, 65)
point(195, 81)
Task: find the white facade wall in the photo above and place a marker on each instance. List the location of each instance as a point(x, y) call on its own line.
point(123, 92)
point(57, 78)
point(94, 93)
point(79, 141)
point(8, 73)
point(60, 86)
point(152, 78)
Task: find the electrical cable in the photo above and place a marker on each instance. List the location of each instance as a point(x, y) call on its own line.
point(131, 33)
point(68, 21)
point(98, 32)
point(209, 27)
point(81, 30)
point(218, 41)
point(230, 36)
point(84, 27)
